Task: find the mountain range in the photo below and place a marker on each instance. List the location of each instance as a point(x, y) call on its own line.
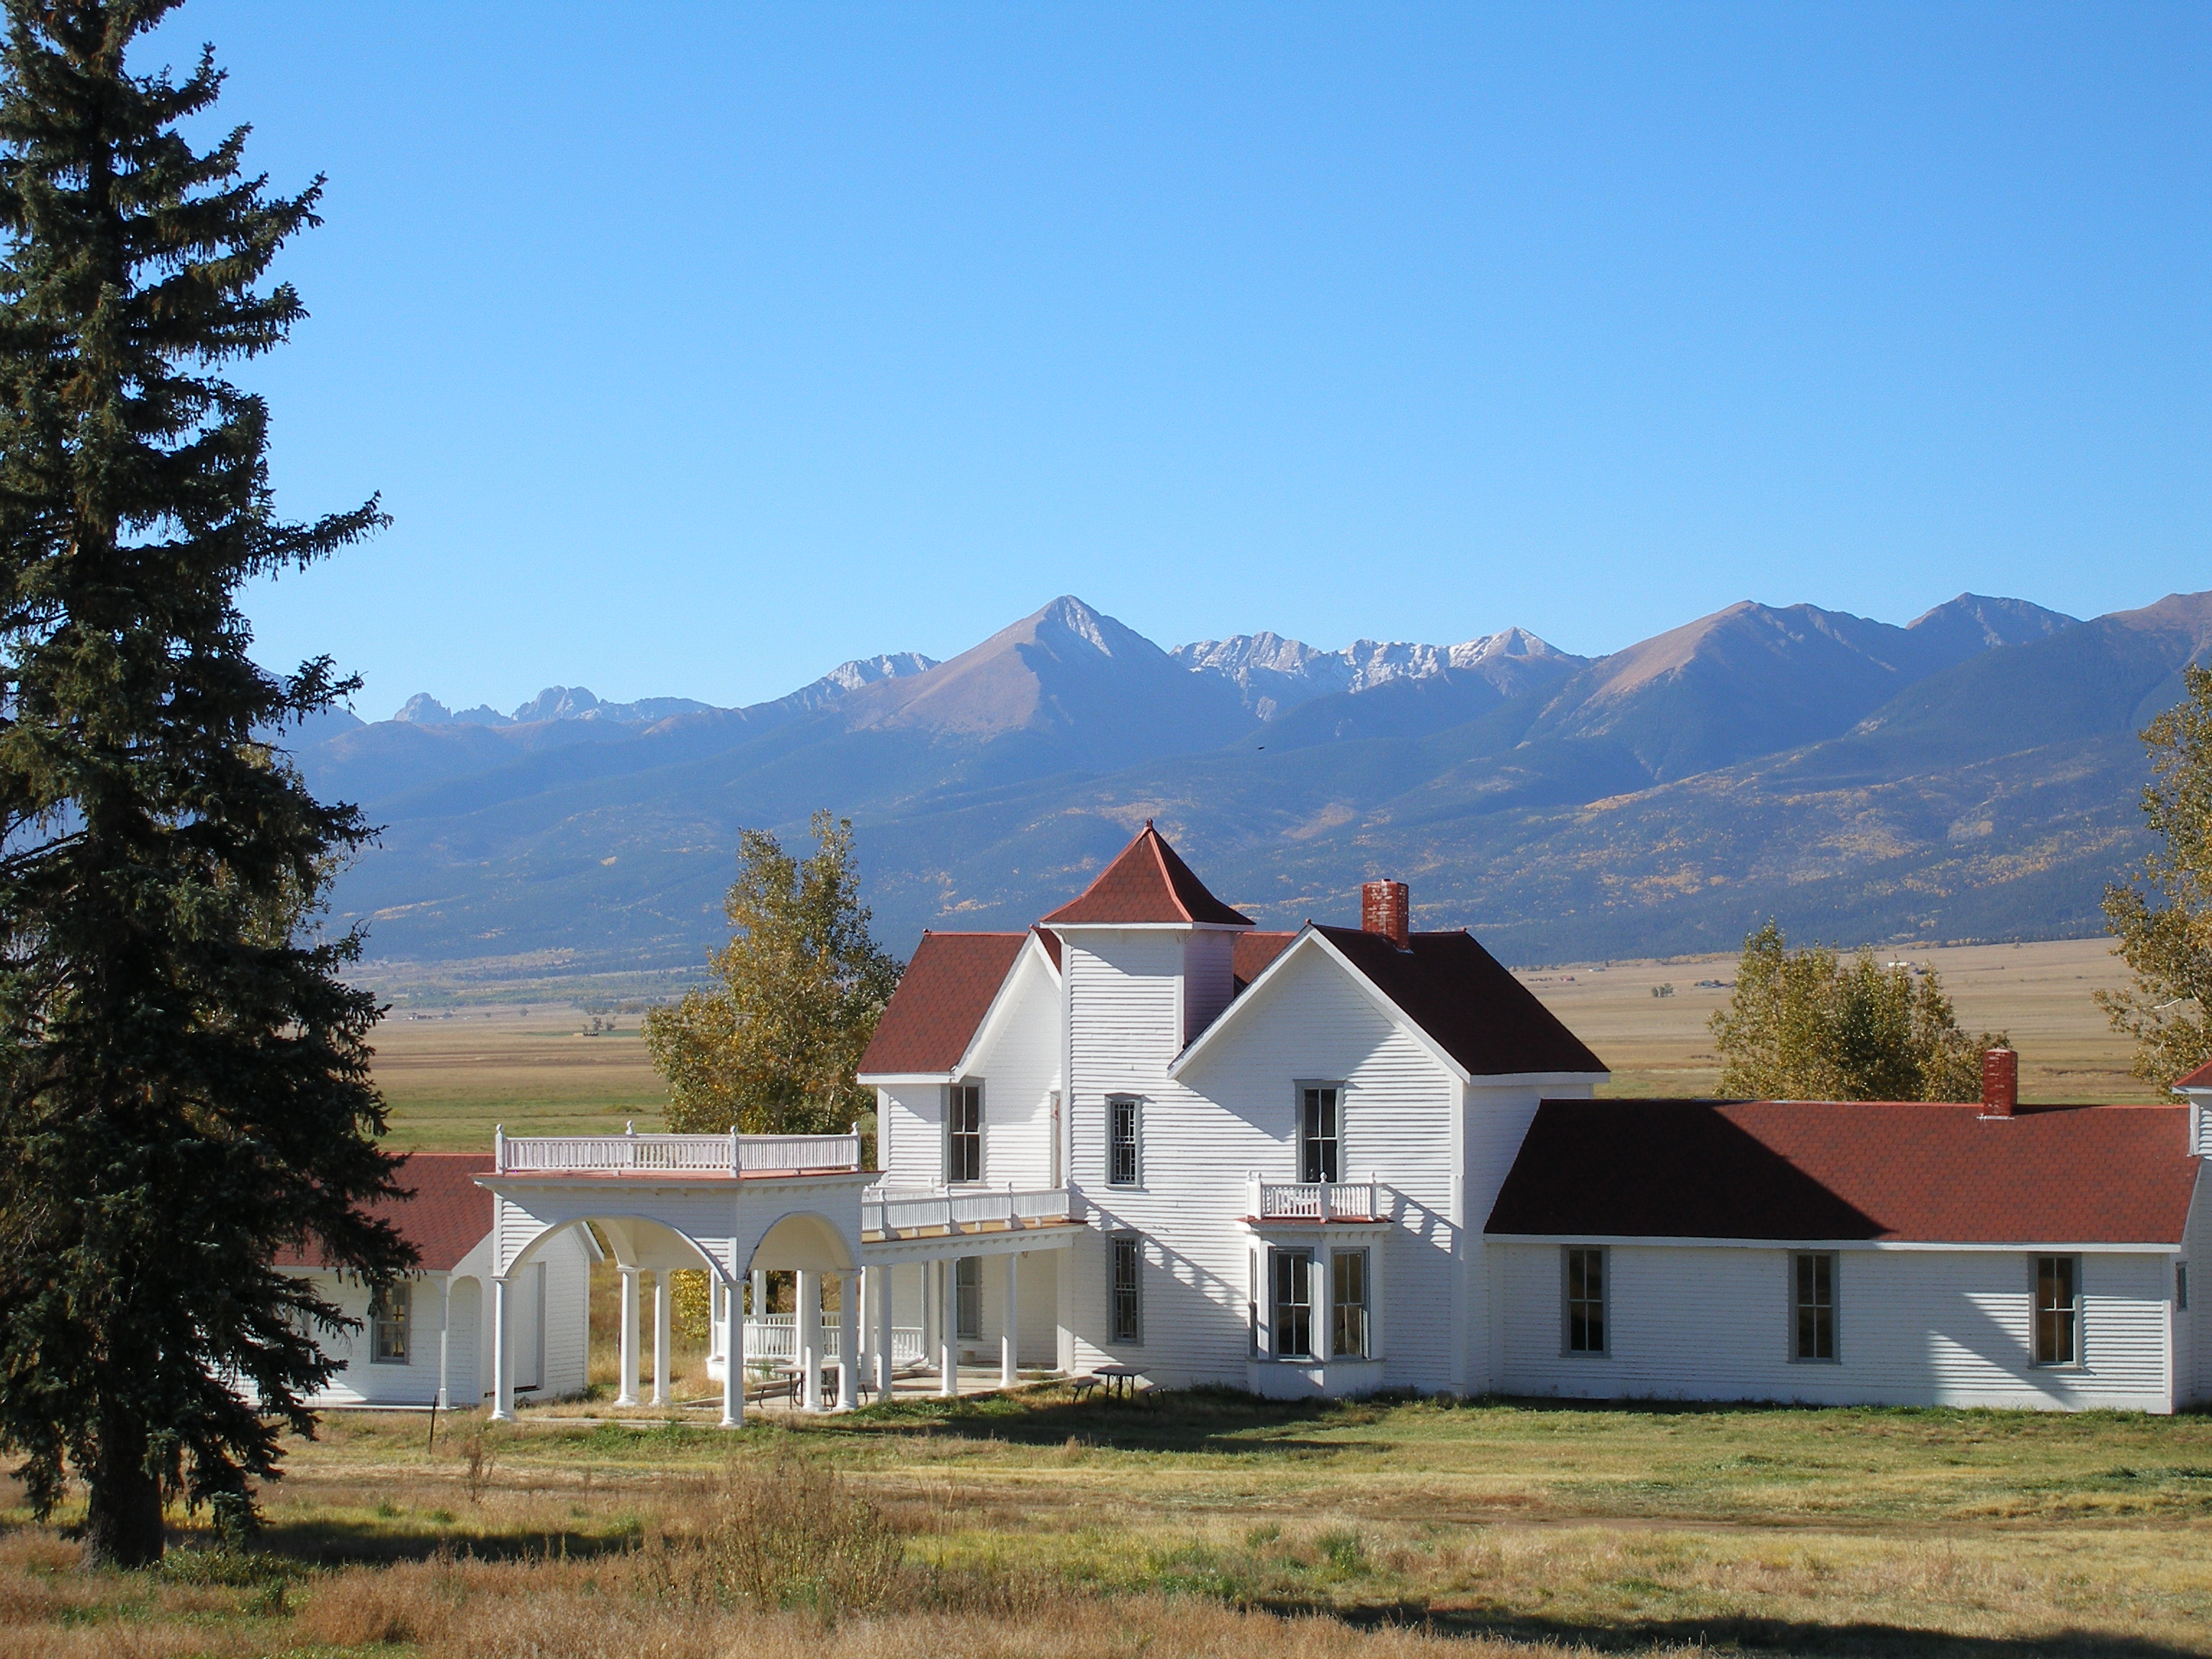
point(1973, 774)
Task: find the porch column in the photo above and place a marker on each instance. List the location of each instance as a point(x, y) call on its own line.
point(948, 1329)
point(734, 1363)
point(445, 1320)
point(848, 1342)
point(1009, 1334)
point(1324, 1343)
point(626, 1384)
point(503, 1375)
point(807, 1339)
point(760, 1293)
point(880, 1278)
point(661, 1298)
point(928, 1270)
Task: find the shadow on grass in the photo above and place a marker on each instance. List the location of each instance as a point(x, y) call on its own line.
point(1199, 1419)
point(344, 1543)
point(1858, 1640)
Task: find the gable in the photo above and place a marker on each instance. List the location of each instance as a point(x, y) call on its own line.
point(947, 990)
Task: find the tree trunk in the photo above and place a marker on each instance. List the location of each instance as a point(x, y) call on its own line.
point(123, 1521)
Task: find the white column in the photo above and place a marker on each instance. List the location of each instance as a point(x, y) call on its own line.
point(626, 1385)
point(1011, 1335)
point(948, 1329)
point(733, 1363)
point(848, 1342)
point(502, 1373)
point(929, 1272)
point(807, 1339)
point(661, 1299)
point(1317, 1293)
point(880, 1280)
point(760, 1293)
point(445, 1320)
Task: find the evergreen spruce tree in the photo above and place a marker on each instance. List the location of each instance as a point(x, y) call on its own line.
point(184, 1081)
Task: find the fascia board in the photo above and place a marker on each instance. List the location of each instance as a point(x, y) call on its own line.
point(1664, 1241)
point(893, 1079)
point(1252, 995)
point(1389, 1009)
point(1036, 943)
point(1148, 926)
point(987, 1029)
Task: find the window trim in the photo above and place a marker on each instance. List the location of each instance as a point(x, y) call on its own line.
point(954, 1136)
point(1136, 1142)
point(1604, 1350)
point(2035, 1311)
point(1278, 1257)
point(1303, 1088)
point(1339, 1305)
point(1134, 1245)
point(1835, 1355)
point(404, 1324)
point(2181, 1287)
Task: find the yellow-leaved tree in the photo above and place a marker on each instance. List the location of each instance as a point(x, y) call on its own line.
point(2168, 1009)
point(1805, 1024)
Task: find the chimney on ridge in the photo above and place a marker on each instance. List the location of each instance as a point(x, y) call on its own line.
point(1386, 908)
point(2000, 1082)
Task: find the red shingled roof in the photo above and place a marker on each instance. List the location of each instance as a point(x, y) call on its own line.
point(1147, 883)
point(447, 1216)
point(1827, 1170)
point(1470, 1006)
point(2199, 1078)
point(1252, 953)
point(947, 989)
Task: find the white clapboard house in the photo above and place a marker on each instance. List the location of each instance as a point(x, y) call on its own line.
point(1353, 1159)
point(427, 1339)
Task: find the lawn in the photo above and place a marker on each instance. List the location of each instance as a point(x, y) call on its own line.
point(1193, 1522)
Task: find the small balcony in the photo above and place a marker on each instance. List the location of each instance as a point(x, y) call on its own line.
point(890, 1213)
point(633, 1154)
point(1368, 1201)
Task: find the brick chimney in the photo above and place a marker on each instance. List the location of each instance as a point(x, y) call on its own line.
point(2000, 1082)
point(1386, 908)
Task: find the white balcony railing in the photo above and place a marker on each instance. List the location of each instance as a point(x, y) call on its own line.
point(1318, 1201)
point(776, 1337)
point(637, 1154)
point(888, 1211)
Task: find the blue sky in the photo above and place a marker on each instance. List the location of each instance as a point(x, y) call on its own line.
point(693, 359)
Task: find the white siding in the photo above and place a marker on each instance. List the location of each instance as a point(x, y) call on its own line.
point(568, 1321)
point(1495, 1119)
point(2192, 1380)
point(465, 1385)
point(1913, 1326)
point(910, 1134)
point(1018, 1066)
point(1232, 1114)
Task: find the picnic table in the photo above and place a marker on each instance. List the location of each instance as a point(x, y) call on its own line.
point(1119, 1381)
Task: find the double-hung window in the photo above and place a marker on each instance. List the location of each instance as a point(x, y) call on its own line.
point(1129, 1290)
point(2058, 1309)
point(1123, 1168)
point(964, 1160)
point(1319, 1134)
point(1347, 1304)
point(968, 1297)
point(1813, 1305)
point(1582, 1289)
point(1293, 1307)
point(391, 1311)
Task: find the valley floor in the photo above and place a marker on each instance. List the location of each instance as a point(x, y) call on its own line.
point(1188, 1524)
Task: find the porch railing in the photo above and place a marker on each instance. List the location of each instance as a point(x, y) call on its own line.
point(655, 1154)
point(776, 1337)
point(888, 1211)
point(1318, 1201)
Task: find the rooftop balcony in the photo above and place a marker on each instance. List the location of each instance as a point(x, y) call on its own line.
point(633, 1154)
point(1317, 1200)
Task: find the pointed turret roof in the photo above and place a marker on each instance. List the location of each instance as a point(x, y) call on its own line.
point(1147, 883)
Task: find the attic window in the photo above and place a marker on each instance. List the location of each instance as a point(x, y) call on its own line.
point(1319, 1134)
point(964, 1151)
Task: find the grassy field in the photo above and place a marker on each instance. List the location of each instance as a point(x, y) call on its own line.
point(449, 1076)
point(2037, 995)
point(1191, 1524)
